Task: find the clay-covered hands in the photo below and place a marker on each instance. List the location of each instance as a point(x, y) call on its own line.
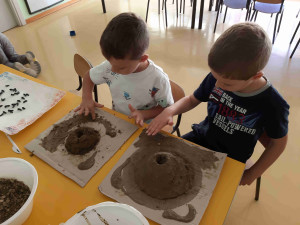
point(88, 107)
point(137, 115)
point(163, 119)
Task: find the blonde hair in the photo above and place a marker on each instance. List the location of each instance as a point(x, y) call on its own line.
point(240, 52)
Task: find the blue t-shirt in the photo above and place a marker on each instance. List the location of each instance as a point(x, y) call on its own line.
point(235, 120)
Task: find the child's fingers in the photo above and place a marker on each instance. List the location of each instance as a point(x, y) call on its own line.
point(77, 109)
point(98, 105)
point(151, 129)
point(139, 122)
point(170, 122)
point(93, 113)
point(131, 108)
point(81, 111)
point(86, 111)
point(155, 131)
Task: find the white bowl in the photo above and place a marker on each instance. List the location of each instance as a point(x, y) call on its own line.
point(114, 213)
point(21, 170)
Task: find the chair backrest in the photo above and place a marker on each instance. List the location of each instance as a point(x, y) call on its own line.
point(177, 91)
point(81, 65)
point(271, 1)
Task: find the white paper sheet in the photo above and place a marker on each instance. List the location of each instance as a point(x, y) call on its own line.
point(39, 100)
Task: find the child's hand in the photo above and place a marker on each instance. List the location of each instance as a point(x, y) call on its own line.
point(165, 118)
point(137, 115)
point(88, 107)
point(248, 177)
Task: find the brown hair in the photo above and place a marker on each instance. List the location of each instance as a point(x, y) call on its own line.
point(125, 36)
point(240, 52)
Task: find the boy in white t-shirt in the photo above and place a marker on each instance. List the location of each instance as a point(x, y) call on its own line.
point(138, 87)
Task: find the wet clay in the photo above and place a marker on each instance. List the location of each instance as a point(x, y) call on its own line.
point(170, 214)
point(82, 140)
point(62, 130)
point(87, 164)
point(163, 173)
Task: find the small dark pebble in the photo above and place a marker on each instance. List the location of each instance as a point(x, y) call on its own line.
point(19, 109)
point(2, 99)
point(10, 111)
point(18, 100)
point(6, 106)
point(25, 101)
point(7, 85)
point(23, 108)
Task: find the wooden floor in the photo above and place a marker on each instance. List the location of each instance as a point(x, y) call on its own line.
point(182, 53)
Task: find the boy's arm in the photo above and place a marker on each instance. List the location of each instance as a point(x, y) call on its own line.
point(87, 105)
point(166, 117)
point(269, 156)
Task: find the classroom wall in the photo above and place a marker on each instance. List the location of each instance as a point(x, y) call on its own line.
point(25, 12)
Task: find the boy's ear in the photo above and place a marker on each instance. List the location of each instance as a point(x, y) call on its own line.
point(144, 58)
point(258, 75)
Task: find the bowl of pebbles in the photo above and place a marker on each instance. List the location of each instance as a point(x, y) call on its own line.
point(18, 184)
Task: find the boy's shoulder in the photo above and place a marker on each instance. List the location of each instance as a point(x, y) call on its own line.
point(274, 98)
point(153, 66)
point(103, 67)
point(267, 97)
point(156, 70)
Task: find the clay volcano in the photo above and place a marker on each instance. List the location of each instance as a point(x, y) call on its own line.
point(162, 172)
point(82, 140)
point(164, 175)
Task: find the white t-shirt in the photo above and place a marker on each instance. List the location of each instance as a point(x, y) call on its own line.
point(143, 90)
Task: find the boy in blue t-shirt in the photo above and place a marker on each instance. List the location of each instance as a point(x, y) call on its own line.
point(243, 106)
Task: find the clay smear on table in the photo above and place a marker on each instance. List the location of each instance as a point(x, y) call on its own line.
point(79, 146)
point(79, 141)
point(164, 173)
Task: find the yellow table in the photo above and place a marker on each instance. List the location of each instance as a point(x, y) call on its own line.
point(58, 198)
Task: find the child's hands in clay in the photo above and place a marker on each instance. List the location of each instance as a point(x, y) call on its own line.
point(137, 115)
point(88, 107)
point(163, 119)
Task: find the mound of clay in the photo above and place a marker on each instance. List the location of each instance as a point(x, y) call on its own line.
point(164, 175)
point(82, 140)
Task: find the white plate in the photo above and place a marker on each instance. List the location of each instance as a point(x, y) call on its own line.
point(113, 213)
